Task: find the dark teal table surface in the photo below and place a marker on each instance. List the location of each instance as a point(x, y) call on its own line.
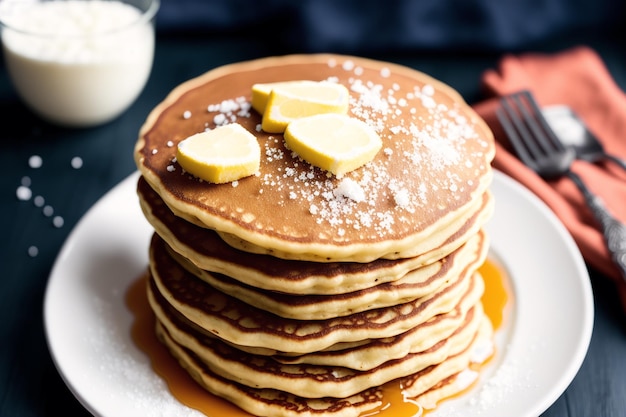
point(29, 383)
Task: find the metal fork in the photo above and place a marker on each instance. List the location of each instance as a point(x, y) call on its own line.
point(538, 147)
point(574, 133)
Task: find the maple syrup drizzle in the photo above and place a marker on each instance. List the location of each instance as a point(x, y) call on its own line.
point(188, 392)
point(496, 296)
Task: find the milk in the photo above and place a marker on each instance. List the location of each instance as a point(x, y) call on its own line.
point(78, 63)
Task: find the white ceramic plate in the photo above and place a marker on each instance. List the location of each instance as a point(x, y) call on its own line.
point(540, 350)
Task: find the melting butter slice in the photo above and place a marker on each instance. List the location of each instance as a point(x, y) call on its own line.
point(334, 142)
point(288, 101)
point(224, 154)
point(261, 92)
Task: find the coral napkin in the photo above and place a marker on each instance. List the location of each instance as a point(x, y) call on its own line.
point(578, 78)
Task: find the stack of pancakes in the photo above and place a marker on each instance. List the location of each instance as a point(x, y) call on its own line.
point(296, 293)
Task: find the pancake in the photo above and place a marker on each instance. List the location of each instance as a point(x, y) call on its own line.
point(363, 356)
point(451, 376)
point(268, 402)
point(204, 248)
point(319, 380)
point(420, 189)
point(243, 324)
point(415, 284)
point(372, 353)
point(435, 382)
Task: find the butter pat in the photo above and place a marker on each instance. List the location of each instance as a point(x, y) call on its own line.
point(334, 142)
point(224, 154)
point(283, 102)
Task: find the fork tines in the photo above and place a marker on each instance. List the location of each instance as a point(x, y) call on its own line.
point(527, 130)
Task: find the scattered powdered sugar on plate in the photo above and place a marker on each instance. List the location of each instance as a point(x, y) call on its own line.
point(122, 366)
point(508, 377)
point(512, 375)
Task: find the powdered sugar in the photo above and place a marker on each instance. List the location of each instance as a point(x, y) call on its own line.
point(424, 137)
point(76, 162)
point(348, 188)
point(402, 198)
point(120, 365)
point(35, 161)
point(33, 251)
point(24, 192)
point(229, 110)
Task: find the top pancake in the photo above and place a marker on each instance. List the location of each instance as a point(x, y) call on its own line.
point(427, 180)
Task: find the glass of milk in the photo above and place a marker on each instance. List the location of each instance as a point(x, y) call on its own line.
point(78, 62)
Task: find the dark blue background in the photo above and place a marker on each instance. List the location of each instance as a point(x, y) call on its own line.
point(453, 40)
point(359, 26)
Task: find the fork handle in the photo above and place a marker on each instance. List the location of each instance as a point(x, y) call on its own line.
point(613, 230)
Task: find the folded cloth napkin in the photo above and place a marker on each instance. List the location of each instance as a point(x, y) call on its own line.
point(577, 78)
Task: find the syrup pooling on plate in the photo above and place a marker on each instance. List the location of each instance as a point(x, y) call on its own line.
point(495, 301)
point(496, 296)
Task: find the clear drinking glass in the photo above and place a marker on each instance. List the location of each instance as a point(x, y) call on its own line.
point(78, 62)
